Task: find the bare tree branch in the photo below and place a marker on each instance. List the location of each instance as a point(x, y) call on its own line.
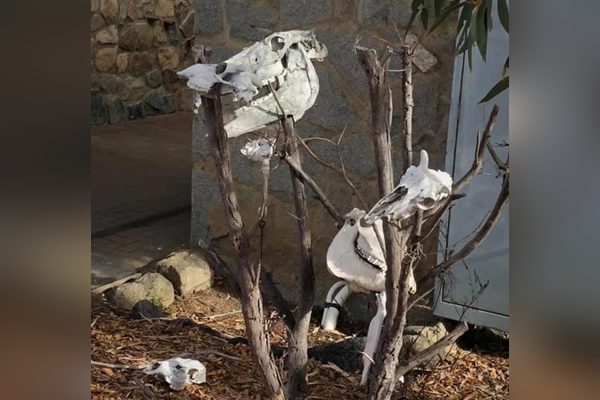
point(480, 236)
point(341, 172)
point(247, 271)
point(480, 151)
point(297, 386)
point(339, 220)
point(409, 104)
point(430, 352)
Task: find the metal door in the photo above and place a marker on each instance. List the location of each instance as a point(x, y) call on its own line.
point(477, 290)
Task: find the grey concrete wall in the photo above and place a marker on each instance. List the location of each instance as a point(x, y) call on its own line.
point(229, 25)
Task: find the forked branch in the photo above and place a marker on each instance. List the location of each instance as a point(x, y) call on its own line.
point(479, 152)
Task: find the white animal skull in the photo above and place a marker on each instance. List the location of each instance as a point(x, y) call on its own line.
point(282, 61)
point(258, 150)
point(420, 188)
point(356, 256)
point(178, 372)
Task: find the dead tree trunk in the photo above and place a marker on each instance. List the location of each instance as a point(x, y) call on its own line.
point(297, 387)
point(247, 271)
point(383, 375)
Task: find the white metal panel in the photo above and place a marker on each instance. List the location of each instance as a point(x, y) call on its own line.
point(477, 290)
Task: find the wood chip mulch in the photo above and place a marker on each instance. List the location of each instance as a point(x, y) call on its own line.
point(231, 374)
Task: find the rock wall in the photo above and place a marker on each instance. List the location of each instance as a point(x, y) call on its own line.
point(229, 25)
point(136, 48)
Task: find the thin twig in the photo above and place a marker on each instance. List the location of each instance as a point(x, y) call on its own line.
point(432, 350)
point(409, 105)
point(119, 282)
point(480, 150)
point(116, 366)
point(341, 173)
point(480, 236)
point(145, 389)
point(318, 191)
point(223, 316)
point(501, 164)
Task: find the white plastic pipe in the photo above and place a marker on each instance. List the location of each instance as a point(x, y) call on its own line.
point(334, 304)
point(373, 336)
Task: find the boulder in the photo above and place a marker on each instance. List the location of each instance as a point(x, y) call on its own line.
point(187, 271)
point(145, 309)
point(152, 287)
point(419, 337)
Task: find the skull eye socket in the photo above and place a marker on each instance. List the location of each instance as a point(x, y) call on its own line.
point(352, 221)
point(426, 203)
point(193, 373)
point(277, 43)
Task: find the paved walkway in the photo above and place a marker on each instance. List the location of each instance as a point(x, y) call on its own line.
point(141, 182)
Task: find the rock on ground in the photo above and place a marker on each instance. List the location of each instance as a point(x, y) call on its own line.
point(187, 271)
point(145, 309)
point(152, 287)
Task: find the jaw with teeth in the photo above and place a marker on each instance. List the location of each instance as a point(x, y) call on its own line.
point(282, 61)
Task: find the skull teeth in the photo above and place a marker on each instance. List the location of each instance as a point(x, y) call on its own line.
point(369, 259)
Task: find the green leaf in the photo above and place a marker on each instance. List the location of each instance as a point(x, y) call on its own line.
point(454, 5)
point(479, 28)
point(470, 57)
point(496, 90)
point(503, 14)
point(464, 22)
point(506, 67)
point(437, 6)
point(416, 9)
point(425, 17)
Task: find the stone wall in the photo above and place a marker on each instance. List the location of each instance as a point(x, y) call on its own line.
point(229, 25)
point(136, 48)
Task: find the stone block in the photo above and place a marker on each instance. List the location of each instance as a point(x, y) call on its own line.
point(373, 12)
point(109, 10)
point(95, 5)
point(173, 34)
point(342, 58)
point(139, 9)
point(122, 62)
point(250, 21)
point(295, 13)
point(139, 63)
point(116, 111)
point(182, 8)
point(96, 22)
point(157, 104)
point(106, 58)
point(331, 109)
point(160, 34)
point(135, 111)
point(110, 83)
point(165, 9)
point(98, 111)
point(108, 35)
point(92, 47)
point(154, 78)
point(136, 36)
point(168, 57)
point(210, 17)
point(152, 287)
point(134, 89)
point(187, 25)
point(187, 271)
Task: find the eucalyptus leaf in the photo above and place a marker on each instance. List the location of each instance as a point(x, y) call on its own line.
point(454, 5)
point(438, 5)
point(425, 17)
point(497, 89)
point(503, 13)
